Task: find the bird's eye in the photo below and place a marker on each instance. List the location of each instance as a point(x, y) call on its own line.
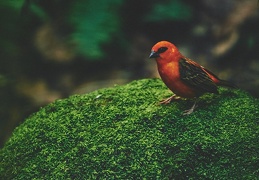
point(162, 49)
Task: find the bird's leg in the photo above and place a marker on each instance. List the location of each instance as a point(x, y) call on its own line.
point(168, 100)
point(189, 111)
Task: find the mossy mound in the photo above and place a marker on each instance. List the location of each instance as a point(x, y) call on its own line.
point(122, 133)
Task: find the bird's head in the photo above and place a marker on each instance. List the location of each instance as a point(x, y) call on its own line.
point(164, 50)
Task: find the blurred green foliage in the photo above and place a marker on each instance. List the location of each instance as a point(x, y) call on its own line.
point(9, 30)
point(94, 22)
point(171, 10)
point(13, 4)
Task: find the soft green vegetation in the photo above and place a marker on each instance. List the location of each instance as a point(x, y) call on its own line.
point(171, 10)
point(121, 132)
point(89, 24)
point(94, 22)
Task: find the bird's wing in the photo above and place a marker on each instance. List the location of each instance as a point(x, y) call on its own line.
point(193, 75)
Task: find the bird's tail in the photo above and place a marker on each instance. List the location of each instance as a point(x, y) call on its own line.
point(227, 84)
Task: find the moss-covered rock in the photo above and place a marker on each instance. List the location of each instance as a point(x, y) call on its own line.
point(123, 133)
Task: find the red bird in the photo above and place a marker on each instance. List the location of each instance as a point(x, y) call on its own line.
point(184, 77)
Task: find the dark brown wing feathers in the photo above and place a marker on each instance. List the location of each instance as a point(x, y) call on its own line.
point(195, 77)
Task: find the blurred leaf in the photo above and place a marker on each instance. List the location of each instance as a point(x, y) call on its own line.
point(24, 6)
point(34, 8)
point(173, 10)
point(14, 4)
point(94, 22)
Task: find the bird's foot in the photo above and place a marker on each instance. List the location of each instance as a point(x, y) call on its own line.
point(189, 111)
point(168, 100)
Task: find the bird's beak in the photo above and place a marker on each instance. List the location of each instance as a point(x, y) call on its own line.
point(153, 54)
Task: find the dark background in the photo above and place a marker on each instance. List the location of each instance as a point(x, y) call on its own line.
point(51, 49)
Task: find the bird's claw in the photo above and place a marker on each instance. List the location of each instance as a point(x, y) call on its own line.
point(189, 111)
point(168, 100)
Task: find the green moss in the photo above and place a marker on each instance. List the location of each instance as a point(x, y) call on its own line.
point(122, 132)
